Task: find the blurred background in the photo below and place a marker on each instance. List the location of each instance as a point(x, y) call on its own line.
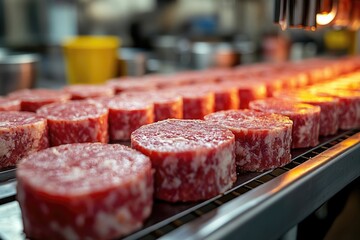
point(162, 36)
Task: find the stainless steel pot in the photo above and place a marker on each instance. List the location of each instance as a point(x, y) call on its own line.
point(17, 71)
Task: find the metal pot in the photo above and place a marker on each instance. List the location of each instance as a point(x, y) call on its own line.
point(17, 72)
point(202, 55)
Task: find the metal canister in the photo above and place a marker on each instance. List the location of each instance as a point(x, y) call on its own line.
point(17, 71)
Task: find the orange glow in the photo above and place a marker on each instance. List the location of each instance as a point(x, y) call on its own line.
point(350, 142)
point(283, 25)
point(291, 176)
point(288, 178)
point(325, 18)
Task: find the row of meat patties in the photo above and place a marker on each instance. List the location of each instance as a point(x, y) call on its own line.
point(82, 187)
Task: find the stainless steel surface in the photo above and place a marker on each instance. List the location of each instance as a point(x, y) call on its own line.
point(311, 12)
point(296, 13)
point(165, 213)
point(8, 189)
point(6, 174)
point(273, 206)
point(11, 227)
point(202, 55)
point(17, 71)
point(133, 62)
point(280, 204)
point(280, 12)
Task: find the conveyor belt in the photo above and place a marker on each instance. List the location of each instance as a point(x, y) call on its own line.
point(296, 190)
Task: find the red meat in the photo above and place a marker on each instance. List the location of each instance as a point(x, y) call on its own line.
point(247, 91)
point(226, 97)
point(214, 75)
point(273, 83)
point(127, 115)
point(329, 114)
point(347, 83)
point(76, 122)
point(33, 99)
point(349, 106)
point(292, 78)
point(131, 84)
point(302, 79)
point(21, 133)
point(83, 91)
point(289, 80)
point(166, 105)
point(175, 80)
point(84, 191)
point(197, 101)
point(305, 117)
point(259, 69)
point(193, 160)
point(7, 104)
point(262, 140)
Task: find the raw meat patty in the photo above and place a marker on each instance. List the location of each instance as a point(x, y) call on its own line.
point(330, 108)
point(247, 91)
point(21, 133)
point(262, 140)
point(349, 106)
point(166, 105)
point(226, 97)
point(83, 91)
point(305, 117)
point(7, 104)
point(84, 191)
point(125, 115)
point(131, 84)
point(197, 101)
point(76, 122)
point(193, 160)
point(33, 99)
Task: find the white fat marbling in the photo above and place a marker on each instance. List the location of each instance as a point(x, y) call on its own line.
point(67, 232)
point(80, 220)
point(6, 147)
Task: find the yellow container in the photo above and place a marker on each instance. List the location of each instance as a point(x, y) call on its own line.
point(91, 59)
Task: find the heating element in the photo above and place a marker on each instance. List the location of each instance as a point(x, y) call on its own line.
point(309, 14)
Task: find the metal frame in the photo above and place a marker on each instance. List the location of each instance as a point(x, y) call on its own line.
point(274, 207)
point(259, 206)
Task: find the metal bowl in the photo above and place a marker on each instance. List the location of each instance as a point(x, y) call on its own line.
point(17, 71)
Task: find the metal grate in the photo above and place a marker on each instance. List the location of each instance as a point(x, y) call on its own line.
point(158, 227)
point(7, 174)
point(242, 189)
point(7, 199)
point(7, 192)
